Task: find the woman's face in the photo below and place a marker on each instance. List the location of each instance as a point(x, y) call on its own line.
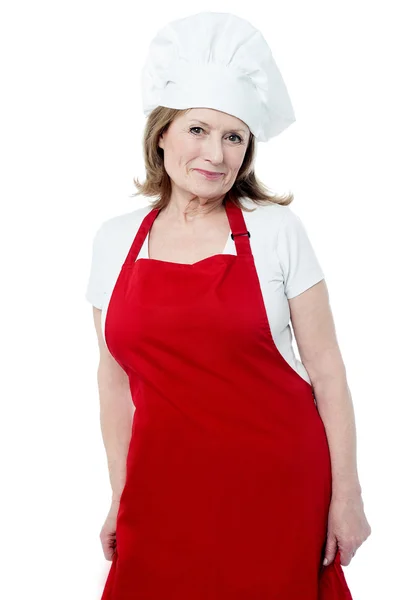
point(218, 146)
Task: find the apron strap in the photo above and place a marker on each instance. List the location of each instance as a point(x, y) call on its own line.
point(239, 232)
point(141, 235)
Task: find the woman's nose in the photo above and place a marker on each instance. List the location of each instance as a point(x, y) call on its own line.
point(214, 150)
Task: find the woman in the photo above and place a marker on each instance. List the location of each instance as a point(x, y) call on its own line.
point(232, 463)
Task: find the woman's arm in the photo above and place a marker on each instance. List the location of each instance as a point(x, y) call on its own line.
point(318, 347)
point(116, 411)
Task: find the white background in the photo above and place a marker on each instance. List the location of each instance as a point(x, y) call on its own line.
point(71, 135)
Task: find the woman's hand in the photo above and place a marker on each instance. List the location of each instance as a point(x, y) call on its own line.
point(108, 531)
point(347, 527)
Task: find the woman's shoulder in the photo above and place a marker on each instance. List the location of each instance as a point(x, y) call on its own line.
point(124, 223)
point(269, 215)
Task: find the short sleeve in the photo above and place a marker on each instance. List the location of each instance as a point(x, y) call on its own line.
point(300, 266)
point(95, 290)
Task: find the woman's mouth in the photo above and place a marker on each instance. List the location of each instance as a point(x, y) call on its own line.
point(208, 174)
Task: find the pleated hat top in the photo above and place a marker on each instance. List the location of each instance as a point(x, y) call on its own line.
point(220, 61)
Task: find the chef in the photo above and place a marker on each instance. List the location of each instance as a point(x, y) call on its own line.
point(231, 461)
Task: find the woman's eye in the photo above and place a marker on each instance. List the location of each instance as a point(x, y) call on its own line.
point(231, 135)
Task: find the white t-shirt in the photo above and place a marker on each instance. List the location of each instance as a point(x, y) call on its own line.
point(284, 258)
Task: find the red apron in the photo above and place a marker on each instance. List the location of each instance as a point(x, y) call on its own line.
point(228, 481)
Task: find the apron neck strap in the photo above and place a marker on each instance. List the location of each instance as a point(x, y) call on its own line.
point(239, 233)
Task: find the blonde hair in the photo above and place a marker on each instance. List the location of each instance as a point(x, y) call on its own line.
point(157, 182)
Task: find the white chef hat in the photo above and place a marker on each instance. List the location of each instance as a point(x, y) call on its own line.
point(220, 61)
